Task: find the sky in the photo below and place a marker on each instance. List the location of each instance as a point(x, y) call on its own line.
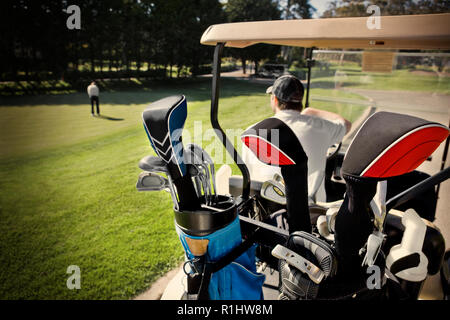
point(320, 5)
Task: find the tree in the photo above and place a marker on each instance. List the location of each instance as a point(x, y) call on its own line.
point(177, 29)
point(357, 8)
point(253, 10)
point(296, 9)
point(433, 6)
point(122, 33)
point(346, 8)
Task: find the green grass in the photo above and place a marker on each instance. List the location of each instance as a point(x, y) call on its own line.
point(403, 79)
point(67, 189)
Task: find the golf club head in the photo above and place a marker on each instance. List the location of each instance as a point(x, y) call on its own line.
point(273, 191)
point(278, 178)
point(196, 157)
point(200, 153)
point(194, 172)
point(204, 157)
point(153, 164)
point(149, 181)
point(191, 160)
point(207, 183)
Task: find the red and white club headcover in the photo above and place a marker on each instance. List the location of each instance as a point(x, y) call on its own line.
point(391, 144)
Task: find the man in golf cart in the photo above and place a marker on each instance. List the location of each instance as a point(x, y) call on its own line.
point(316, 130)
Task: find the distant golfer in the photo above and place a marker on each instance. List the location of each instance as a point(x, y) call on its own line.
point(93, 93)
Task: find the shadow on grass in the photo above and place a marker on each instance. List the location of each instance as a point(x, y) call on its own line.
point(198, 89)
point(101, 116)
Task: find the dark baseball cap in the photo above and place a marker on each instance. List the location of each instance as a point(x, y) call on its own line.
point(287, 89)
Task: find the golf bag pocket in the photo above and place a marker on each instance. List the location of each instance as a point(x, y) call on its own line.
point(211, 253)
point(238, 280)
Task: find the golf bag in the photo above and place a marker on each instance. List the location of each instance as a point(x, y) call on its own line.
point(219, 265)
point(364, 235)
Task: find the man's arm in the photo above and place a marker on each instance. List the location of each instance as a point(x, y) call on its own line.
point(327, 116)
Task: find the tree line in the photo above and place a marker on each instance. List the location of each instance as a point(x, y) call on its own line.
point(116, 36)
point(147, 38)
point(358, 8)
point(122, 38)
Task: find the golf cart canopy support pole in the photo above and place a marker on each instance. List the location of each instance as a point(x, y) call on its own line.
point(215, 122)
point(310, 63)
point(444, 160)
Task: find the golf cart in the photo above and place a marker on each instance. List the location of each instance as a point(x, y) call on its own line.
point(272, 70)
point(323, 250)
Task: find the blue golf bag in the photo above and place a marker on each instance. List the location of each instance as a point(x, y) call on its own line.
point(219, 264)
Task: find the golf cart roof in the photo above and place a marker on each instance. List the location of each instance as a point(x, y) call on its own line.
point(431, 31)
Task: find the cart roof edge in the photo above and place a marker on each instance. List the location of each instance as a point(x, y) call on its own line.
point(428, 31)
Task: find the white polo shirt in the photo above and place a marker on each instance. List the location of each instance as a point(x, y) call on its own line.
point(316, 135)
point(92, 91)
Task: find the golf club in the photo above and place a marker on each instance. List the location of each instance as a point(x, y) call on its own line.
point(150, 181)
point(205, 158)
point(278, 178)
point(197, 172)
point(195, 156)
point(207, 183)
point(274, 191)
point(203, 175)
point(153, 164)
point(193, 170)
